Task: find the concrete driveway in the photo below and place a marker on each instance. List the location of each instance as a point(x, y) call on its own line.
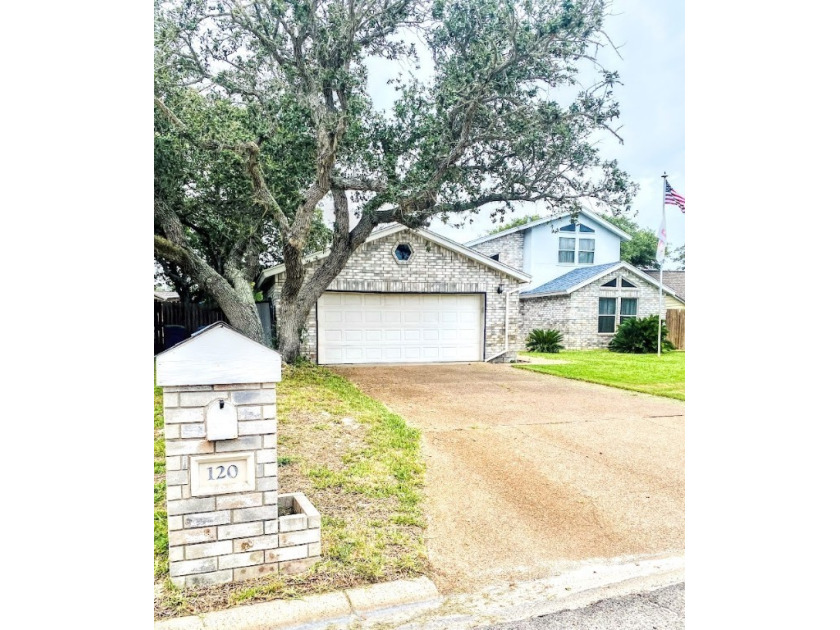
point(530, 474)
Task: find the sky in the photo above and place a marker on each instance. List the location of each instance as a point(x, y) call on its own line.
point(650, 38)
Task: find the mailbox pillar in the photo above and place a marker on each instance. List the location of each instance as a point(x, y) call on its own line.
point(219, 398)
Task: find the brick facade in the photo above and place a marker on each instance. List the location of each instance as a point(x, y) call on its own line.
point(431, 269)
point(510, 248)
point(230, 537)
point(576, 315)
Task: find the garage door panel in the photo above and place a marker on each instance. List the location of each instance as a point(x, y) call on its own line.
point(391, 317)
point(333, 335)
point(448, 335)
point(449, 317)
point(449, 354)
point(400, 328)
point(352, 355)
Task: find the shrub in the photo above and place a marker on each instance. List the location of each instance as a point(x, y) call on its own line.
point(544, 340)
point(638, 335)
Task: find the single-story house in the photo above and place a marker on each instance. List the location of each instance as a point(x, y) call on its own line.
point(588, 304)
point(411, 296)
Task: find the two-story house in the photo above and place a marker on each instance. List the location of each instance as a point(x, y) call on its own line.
point(579, 285)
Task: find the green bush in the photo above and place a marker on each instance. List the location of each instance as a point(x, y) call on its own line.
point(544, 340)
point(638, 335)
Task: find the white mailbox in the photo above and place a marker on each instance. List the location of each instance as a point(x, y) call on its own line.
point(220, 420)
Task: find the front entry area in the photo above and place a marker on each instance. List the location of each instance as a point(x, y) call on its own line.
point(400, 327)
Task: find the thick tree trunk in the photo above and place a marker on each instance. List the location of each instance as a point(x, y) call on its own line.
point(291, 322)
point(297, 297)
point(245, 318)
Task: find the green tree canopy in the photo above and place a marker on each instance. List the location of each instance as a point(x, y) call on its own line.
point(263, 116)
point(640, 250)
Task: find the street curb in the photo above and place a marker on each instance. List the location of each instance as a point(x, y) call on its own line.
point(338, 607)
point(416, 603)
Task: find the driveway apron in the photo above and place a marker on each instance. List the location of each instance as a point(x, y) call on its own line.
point(528, 474)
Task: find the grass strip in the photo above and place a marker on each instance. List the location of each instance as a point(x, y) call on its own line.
point(646, 373)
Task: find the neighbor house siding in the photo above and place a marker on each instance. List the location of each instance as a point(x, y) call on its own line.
point(576, 315)
point(432, 269)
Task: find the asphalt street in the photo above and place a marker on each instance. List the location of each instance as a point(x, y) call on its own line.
point(662, 609)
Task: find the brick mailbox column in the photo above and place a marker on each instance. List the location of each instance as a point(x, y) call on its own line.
point(219, 399)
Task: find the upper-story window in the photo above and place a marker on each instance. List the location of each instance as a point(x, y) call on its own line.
point(586, 251)
point(575, 249)
point(567, 250)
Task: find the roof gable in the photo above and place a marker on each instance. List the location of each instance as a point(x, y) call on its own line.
point(577, 278)
point(428, 235)
point(621, 234)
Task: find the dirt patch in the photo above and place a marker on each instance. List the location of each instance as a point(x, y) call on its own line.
point(528, 473)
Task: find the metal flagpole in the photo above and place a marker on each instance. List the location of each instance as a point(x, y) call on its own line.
point(661, 264)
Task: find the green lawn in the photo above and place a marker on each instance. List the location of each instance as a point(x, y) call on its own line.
point(360, 466)
point(647, 373)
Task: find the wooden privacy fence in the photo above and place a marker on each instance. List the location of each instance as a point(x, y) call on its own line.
point(675, 321)
point(175, 322)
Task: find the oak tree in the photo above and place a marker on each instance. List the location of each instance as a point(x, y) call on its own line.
point(266, 114)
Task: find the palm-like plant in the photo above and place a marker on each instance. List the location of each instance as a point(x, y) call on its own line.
point(540, 340)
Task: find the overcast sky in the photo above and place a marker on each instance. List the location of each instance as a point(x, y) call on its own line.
point(650, 35)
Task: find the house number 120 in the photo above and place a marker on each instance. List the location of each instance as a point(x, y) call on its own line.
point(222, 472)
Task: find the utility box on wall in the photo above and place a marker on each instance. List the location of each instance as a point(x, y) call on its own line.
point(220, 423)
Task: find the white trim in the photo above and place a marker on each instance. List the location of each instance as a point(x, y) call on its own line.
point(602, 222)
point(617, 266)
point(430, 236)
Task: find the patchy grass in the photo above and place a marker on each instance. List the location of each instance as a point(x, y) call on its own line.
point(161, 533)
point(647, 373)
point(359, 465)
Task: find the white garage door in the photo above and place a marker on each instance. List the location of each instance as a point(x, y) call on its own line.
point(400, 327)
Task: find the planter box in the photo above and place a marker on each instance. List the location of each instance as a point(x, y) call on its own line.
point(299, 533)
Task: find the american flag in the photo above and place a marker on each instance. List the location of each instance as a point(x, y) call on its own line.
point(673, 197)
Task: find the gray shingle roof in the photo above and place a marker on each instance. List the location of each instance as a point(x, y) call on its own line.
point(571, 279)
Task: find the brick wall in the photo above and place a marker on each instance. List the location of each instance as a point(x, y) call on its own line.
point(432, 269)
point(576, 315)
point(226, 537)
point(511, 249)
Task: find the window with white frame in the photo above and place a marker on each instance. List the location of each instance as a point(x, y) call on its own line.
point(586, 251)
point(606, 315)
point(567, 250)
point(616, 310)
point(571, 249)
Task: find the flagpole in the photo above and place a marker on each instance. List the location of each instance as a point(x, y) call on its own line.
point(661, 264)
